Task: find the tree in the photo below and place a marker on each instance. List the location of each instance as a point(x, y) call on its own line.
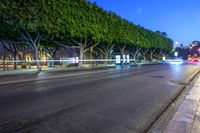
point(12, 47)
point(164, 34)
point(25, 19)
point(9, 41)
point(77, 24)
point(51, 50)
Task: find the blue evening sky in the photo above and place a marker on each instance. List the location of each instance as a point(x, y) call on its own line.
point(180, 19)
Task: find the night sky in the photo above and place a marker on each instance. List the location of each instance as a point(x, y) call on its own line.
point(180, 19)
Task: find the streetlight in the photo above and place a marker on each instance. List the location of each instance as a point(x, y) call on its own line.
point(176, 43)
point(176, 54)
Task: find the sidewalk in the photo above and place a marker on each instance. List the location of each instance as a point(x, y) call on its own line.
point(23, 71)
point(187, 118)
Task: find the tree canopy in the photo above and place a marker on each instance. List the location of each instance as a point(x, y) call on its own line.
point(78, 20)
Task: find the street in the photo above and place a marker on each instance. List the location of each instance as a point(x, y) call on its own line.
point(113, 100)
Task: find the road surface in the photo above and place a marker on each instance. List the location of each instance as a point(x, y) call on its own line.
point(111, 100)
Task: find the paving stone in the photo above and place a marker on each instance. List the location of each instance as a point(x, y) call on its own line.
point(196, 126)
point(183, 117)
point(188, 106)
point(198, 111)
point(197, 83)
point(178, 127)
point(187, 118)
point(193, 97)
point(198, 80)
point(190, 102)
point(196, 86)
point(197, 114)
point(195, 92)
point(187, 109)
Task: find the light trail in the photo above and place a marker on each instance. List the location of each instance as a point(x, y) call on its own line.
point(70, 61)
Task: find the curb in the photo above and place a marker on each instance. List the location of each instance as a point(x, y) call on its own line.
point(56, 70)
point(62, 76)
point(187, 114)
point(166, 113)
point(79, 69)
point(72, 70)
point(16, 72)
point(66, 71)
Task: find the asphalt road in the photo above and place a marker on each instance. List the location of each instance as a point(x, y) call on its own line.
point(99, 101)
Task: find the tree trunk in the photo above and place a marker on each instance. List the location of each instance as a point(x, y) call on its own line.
point(122, 53)
point(37, 59)
point(138, 57)
point(135, 54)
point(152, 51)
point(144, 54)
point(151, 56)
point(106, 57)
point(135, 57)
point(91, 57)
point(81, 53)
point(52, 63)
point(160, 55)
point(52, 59)
point(29, 64)
point(15, 61)
point(144, 58)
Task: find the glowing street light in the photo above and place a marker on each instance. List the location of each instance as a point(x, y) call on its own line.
point(176, 54)
point(176, 44)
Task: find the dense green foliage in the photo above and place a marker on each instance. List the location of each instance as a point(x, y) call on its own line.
point(74, 22)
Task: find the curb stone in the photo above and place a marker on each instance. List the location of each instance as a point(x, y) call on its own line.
point(187, 118)
point(161, 122)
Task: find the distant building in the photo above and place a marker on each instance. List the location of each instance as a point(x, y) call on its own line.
point(195, 49)
point(183, 52)
point(192, 49)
